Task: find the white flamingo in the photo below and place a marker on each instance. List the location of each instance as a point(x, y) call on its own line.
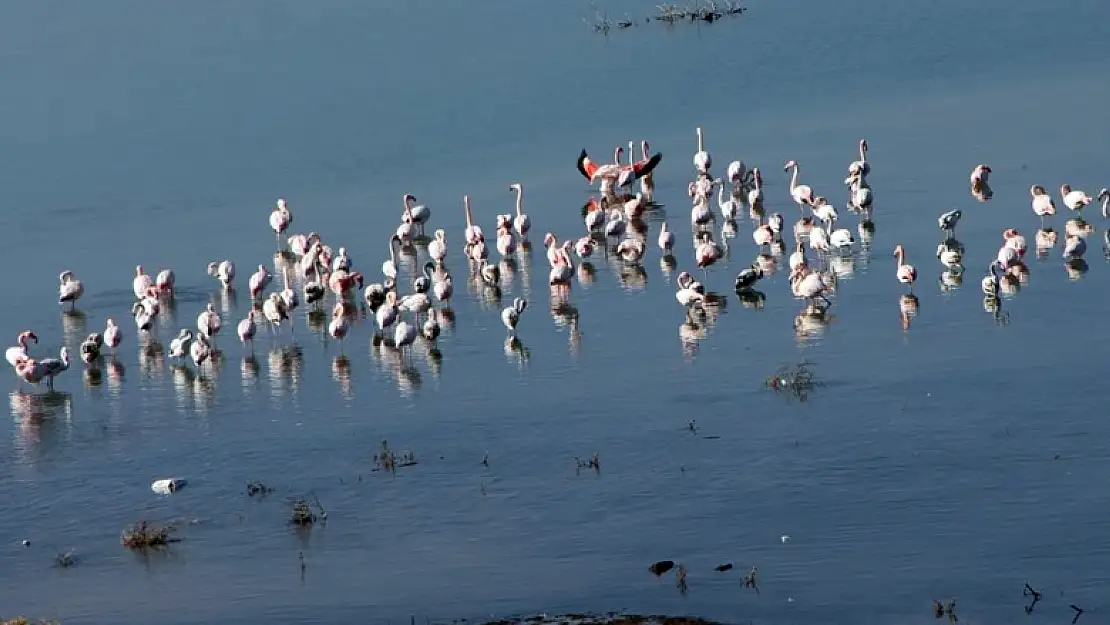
point(70, 289)
point(246, 329)
point(90, 347)
point(730, 208)
point(18, 353)
point(647, 182)
point(49, 368)
point(906, 273)
point(403, 336)
point(224, 271)
point(200, 350)
point(165, 282)
point(1104, 200)
point(437, 248)
point(144, 319)
point(113, 336)
point(861, 167)
point(1074, 200)
point(584, 247)
point(700, 213)
point(666, 239)
point(521, 222)
point(631, 250)
point(340, 323)
point(473, 233)
point(142, 283)
point(280, 218)
point(208, 322)
point(273, 309)
point(443, 289)
point(510, 316)
point(419, 214)
point(802, 193)
point(387, 312)
point(702, 160)
point(259, 280)
point(687, 295)
point(179, 346)
point(595, 214)
point(561, 269)
point(755, 196)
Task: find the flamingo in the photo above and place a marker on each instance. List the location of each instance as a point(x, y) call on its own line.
point(280, 218)
point(992, 280)
point(521, 222)
point(763, 235)
point(1074, 200)
point(473, 232)
point(288, 295)
point(273, 309)
point(947, 222)
point(687, 295)
point(775, 223)
point(634, 207)
point(551, 248)
point(979, 176)
point(755, 196)
point(510, 316)
point(906, 274)
point(89, 349)
point(861, 167)
point(798, 258)
point(747, 277)
point(443, 289)
point(647, 181)
point(1011, 237)
point(631, 250)
point(700, 213)
point(165, 281)
point(375, 294)
point(200, 350)
point(403, 336)
point(430, 329)
point(840, 239)
point(616, 225)
point(861, 196)
point(1074, 247)
point(48, 368)
point(179, 346)
point(340, 323)
point(707, 251)
point(404, 231)
point(490, 274)
point(389, 267)
point(341, 261)
point(142, 283)
point(246, 329)
point(143, 317)
point(584, 247)
point(70, 289)
point(1043, 206)
point(112, 334)
point(208, 322)
point(811, 285)
point(387, 312)
point(609, 173)
point(437, 248)
point(419, 214)
point(424, 282)
point(506, 244)
point(224, 271)
point(418, 303)
point(702, 160)
point(18, 353)
point(259, 280)
point(738, 174)
point(595, 214)
point(561, 269)
point(313, 292)
point(802, 193)
point(730, 207)
point(666, 239)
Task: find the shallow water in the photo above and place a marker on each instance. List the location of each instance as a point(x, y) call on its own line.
point(958, 458)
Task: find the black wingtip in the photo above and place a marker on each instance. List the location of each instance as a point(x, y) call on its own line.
point(582, 168)
point(650, 165)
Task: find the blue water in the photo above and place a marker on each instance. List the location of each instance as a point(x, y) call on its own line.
point(956, 459)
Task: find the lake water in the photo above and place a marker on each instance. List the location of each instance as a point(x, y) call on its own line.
point(956, 459)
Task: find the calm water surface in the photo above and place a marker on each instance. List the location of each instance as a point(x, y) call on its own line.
point(926, 468)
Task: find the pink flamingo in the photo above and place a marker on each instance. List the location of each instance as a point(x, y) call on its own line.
point(18, 353)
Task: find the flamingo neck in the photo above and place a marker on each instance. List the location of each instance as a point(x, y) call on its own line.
point(519, 201)
point(794, 178)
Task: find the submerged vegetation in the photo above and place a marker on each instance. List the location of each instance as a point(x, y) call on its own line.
point(669, 14)
point(795, 381)
point(145, 535)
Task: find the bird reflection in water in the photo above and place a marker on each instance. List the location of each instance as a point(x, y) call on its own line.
point(668, 263)
point(1076, 267)
point(152, 358)
point(116, 373)
point(843, 266)
point(811, 322)
point(317, 322)
point(767, 264)
point(434, 357)
point(690, 333)
point(248, 368)
point(93, 376)
point(992, 304)
point(341, 373)
point(907, 309)
point(227, 300)
point(284, 365)
point(632, 277)
point(586, 273)
point(508, 268)
point(516, 351)
point(751, 298)
point(34, 410)
point(73, 326)
point(1044, 241)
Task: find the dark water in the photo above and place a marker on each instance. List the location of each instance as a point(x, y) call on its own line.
point(957, 459)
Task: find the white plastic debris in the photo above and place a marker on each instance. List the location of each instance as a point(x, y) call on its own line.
point(168, 485)
point(26, 543)
point(785, 539)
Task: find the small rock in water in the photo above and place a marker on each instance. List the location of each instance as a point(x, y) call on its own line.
point(661, 567)
point(721, 568)
point(785, 539)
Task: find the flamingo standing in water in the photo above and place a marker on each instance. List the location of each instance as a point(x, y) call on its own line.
point(418, 214)
point(200, 350)
point(1074, 200)
point(473, 233)
point(755, 196)
point(666, 240)
point(609, 173)
point(906, 273)
point(142, 283)
point(179, 346)
point(403, 336)
point(280, 218)
point(860, 167)
point(647, 181)
point(521, 221)
point(340, 323)
point(259, 280)
point(437, 248)
point(510, 316)
point(1104, 199)
point(90, 348)
point(246, 329)
point(273, 309)
point(18, 353)
point(979, 177)
point(47, 368)
point(707, 252)
point(70, 289)
point(165, 282)
point(144, 318)
point(1043, 206)
point(224, 271)
point(702, 160)
point(208, 322)
point(802, 193)
point(112, 334)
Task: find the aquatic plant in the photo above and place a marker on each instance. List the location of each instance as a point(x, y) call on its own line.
point(796, 380)
point(669, 14)
point(302, 514)
point(144, 535)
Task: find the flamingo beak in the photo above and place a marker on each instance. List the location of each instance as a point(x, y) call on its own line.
point(34, 338)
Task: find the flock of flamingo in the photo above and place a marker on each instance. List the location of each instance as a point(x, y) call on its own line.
point(613, 222)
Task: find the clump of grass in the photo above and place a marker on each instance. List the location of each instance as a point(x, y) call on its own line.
point(144, 535)
point(796, 381)
point(303, 515)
